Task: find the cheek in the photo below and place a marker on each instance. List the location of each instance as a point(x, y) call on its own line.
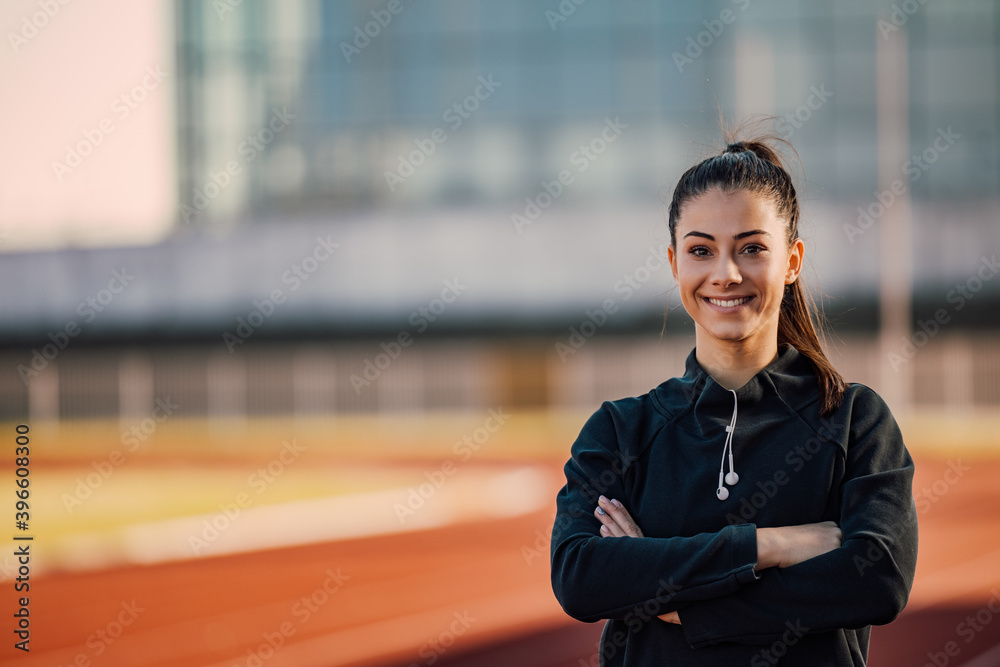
point(775, 281)
point(689, 277)
point(688, 287)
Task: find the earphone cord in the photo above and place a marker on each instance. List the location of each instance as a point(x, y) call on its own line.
point(731, 430)
point(728, 447)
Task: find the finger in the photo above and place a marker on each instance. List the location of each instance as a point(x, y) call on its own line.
point(621, 516)
point(609, 528)
point(603, 516)
point(612, 530)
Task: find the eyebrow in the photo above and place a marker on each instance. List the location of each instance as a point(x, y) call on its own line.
point(741, 235)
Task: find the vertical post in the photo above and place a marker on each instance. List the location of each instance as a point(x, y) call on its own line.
point(895, 237)
point(958, 374)
point(753, 65)
point(313, 383)
point(43, 397)
point(135, 388)
point(227, 393)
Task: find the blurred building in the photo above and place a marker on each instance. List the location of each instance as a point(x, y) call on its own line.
point(358, 158)
point(364, 94)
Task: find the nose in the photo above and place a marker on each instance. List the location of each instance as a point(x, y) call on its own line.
point(726, 272)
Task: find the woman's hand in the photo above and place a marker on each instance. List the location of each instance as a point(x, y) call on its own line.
point(788, 545)
point(617, 522)
point(776, 547)
point(615, 519)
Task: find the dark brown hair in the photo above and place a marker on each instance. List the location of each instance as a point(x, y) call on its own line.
point(754, 165)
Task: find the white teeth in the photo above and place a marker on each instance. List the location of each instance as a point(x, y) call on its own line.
point(730, 303)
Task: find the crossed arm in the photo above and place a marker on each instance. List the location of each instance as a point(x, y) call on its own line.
point(854, 573)
point(782, 546)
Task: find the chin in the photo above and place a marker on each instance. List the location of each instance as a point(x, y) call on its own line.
point(730, 336)
point(729, 331)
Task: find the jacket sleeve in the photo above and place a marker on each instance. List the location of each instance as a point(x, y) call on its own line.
point(596, 577)
point(865, 581)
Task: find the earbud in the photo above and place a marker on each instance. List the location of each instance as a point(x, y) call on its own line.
point(731, 477)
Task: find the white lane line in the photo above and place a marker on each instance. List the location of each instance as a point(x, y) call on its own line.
point(957, 581)
point(468, 496)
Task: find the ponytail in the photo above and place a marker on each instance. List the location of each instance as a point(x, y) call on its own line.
point(795, 328)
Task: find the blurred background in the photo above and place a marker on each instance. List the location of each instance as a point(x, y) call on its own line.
point(304, 303)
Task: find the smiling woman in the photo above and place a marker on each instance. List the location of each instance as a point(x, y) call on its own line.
point(733, 269)
point(683, 578)
point(745, 193)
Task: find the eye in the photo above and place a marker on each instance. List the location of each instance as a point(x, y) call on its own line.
point(754, 249)
point(699, 251)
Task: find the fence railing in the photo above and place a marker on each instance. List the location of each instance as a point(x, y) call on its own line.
point(953, 372)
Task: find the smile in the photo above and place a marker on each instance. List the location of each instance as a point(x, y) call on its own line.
point(731, 303)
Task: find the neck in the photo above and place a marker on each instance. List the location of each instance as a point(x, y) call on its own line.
point(733, 363)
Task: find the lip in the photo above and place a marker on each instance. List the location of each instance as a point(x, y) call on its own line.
point(728, 309)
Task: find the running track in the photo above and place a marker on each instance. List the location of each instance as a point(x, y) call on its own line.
point(472, 594)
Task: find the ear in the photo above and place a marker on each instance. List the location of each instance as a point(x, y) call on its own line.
point(672, 258)
point(796, 254)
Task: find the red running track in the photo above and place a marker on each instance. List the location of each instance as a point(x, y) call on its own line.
point(474, 594)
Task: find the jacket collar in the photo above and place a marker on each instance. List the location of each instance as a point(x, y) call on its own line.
point(790, 380)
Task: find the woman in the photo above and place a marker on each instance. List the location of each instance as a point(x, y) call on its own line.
point(805, 534)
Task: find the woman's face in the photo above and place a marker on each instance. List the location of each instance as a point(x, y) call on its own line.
point(732, 262)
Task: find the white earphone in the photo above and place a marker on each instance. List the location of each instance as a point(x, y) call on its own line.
point(731, 478)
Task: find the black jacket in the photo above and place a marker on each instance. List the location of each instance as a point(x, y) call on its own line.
point(659, 454)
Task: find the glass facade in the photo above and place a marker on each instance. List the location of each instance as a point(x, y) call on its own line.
point(383, 104)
